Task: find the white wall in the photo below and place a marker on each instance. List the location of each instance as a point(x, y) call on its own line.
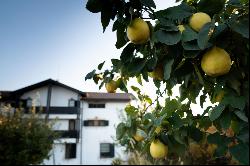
point(93, 136)
point(39, 96)
point(59, 156)
point(60, 96)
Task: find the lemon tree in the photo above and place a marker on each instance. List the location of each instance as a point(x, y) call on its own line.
point(200, 45)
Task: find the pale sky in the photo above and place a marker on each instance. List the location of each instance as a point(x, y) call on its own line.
point(58, 39)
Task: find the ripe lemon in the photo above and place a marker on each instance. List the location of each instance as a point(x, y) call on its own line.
point(216, 62)
point(158, 150)
point(198, 20)
point(138, 137)
point(158, 73)
point(181, 28)
point(111, 86)
point(138, 31)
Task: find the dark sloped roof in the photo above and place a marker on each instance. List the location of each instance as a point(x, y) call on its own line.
point(44, 83)
point(85, 95)
point(108, 96)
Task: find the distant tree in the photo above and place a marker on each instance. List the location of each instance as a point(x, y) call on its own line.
point(24, 139)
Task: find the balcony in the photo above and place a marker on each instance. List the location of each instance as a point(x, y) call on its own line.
point(67, 133)
point(54, 110)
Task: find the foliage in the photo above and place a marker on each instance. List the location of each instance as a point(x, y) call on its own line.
point(180, 54)
point(24, 139)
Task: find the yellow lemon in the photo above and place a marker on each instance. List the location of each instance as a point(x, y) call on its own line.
point(138, 31)
point(198, 20)
point(138, 137)
point(111, 86)
point(216, 62)
point(158, 150)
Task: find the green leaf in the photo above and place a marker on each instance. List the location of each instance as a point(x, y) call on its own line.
point(176, 121)
point(123, 86)
point(151, 63)
point(136, 89)
point(244, 135)
point(139, 80)
point(234, 101)
point(168, 69)
point(225, 120)
point(90, 75)
point(173, 144)
point(157, 83)
point(128, 53)
point(100, 65)
point(216, 112)
point(106, 15)
point(202, 100)
point(148, 3)
point(94, 6)
point(121, 40)
point(169, 38)
point(210, 7)
point(170, 28)
point(120, 130)
point(219, 29)
point(203, 36)
point(241, 115)
point(191, 53)
point(241, 153)
point(136, 66)
point(188, 34)
point(191, 45)
point(166, 22)
point(219, 140)
point(177, 12)
point(241, 27)
point(195, 134)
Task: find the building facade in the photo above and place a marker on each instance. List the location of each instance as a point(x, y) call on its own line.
point(86, 121)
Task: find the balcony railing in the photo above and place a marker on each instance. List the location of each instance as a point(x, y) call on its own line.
point(68, 133)
point(54, 110)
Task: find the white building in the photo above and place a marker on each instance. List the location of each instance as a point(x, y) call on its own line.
point(85, 120)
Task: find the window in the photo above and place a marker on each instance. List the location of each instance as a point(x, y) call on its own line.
point(96, 123)
point(70, 151)
point(107, 150)
point(72, 125)
point(94, 105)
point(29, 102)
point(71, 102)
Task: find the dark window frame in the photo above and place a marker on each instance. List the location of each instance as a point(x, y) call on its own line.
point(110, 154)
point(70, 150)
point(96, 105)
point(72, 122)
point(29, 102)
point(96, 123)
point(71, 102)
